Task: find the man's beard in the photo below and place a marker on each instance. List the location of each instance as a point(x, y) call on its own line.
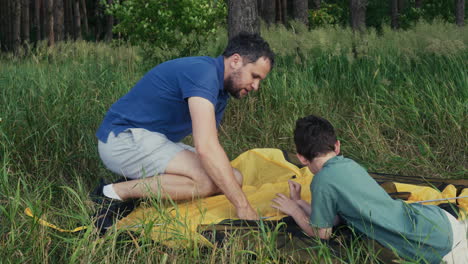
point(229, 85)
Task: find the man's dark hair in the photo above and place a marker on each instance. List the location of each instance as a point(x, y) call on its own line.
point(250, 46)
point(314, 136)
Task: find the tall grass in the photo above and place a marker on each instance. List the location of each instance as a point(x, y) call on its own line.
point(398, 100)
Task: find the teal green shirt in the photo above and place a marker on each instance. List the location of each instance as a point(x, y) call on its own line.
point(414, 231)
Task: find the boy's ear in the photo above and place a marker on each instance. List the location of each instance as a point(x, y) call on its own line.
point(337, 147)
point(302, 159)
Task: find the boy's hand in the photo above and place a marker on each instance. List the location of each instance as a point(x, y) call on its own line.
point(294, 190)
point(285, 205)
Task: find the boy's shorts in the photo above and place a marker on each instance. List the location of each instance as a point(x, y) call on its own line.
point(459, 252)
point(137, 153)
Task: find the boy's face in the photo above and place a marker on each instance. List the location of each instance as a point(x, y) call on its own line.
point(316, 164)
point(308, 163)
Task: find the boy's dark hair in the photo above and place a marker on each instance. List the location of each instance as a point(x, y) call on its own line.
point(314, 136)
point(250, 46)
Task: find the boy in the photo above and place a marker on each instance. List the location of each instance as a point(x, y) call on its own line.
point(341, 188)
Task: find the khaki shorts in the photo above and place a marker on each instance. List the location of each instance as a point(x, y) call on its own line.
point(137, 153)
point(459, 252)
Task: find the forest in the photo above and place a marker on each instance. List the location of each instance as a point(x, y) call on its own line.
point(390, 75)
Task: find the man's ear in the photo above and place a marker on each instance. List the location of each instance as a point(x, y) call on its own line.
point(337, 147)
point(236, 61)
point(302, 159)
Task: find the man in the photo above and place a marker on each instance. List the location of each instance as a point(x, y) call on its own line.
point(141, 133)
point(343, 189)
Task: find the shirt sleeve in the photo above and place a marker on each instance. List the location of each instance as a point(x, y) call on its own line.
point(199, 83)
point(323, 204)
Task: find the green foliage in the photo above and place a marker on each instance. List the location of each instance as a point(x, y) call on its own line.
point(328, 14)
point(398, 100)
point(165, 24)
point(336, 12)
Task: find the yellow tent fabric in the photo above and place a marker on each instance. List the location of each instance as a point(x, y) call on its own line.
point(28, 212)
point(425, 193)
point(266, 173)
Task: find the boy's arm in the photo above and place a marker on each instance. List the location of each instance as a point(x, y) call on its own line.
point(292, 208)
point(305, 206)
point(302, 220)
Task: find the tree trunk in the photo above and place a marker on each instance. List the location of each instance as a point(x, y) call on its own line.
point(358, 14)
point(242, 16)
point(43, 19)
point(77, 19)
point(460, 13)
point(98, 15)
point(267, 10)
point(316, 4)
point(36, 20)
point(401, 6)
point(25, 21)
point(284, 7)
point(418, 3)
point(109, 24)
point(68, 19)
point(394, 14)
point(5, 25)
point(84, 16)
point(279, 11)
point(300, 11)
point(16, 25)
point(50, 23)
point(59, 26)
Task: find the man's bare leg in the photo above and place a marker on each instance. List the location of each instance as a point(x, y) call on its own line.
point(184, 179)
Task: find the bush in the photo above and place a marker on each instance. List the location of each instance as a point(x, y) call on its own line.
point(328, 14)
point(165, 24)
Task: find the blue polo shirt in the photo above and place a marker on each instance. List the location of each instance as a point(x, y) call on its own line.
point(159, 101)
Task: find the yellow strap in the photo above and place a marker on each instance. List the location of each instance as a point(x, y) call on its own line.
point(28, 212)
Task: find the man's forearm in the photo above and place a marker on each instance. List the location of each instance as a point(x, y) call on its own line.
point(216, 164)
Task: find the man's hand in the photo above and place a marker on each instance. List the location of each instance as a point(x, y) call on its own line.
point(286, 205)
point(294, 190)
point(213, 158)
point(247, 213)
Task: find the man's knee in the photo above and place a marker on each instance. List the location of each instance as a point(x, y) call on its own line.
point(210, 188)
